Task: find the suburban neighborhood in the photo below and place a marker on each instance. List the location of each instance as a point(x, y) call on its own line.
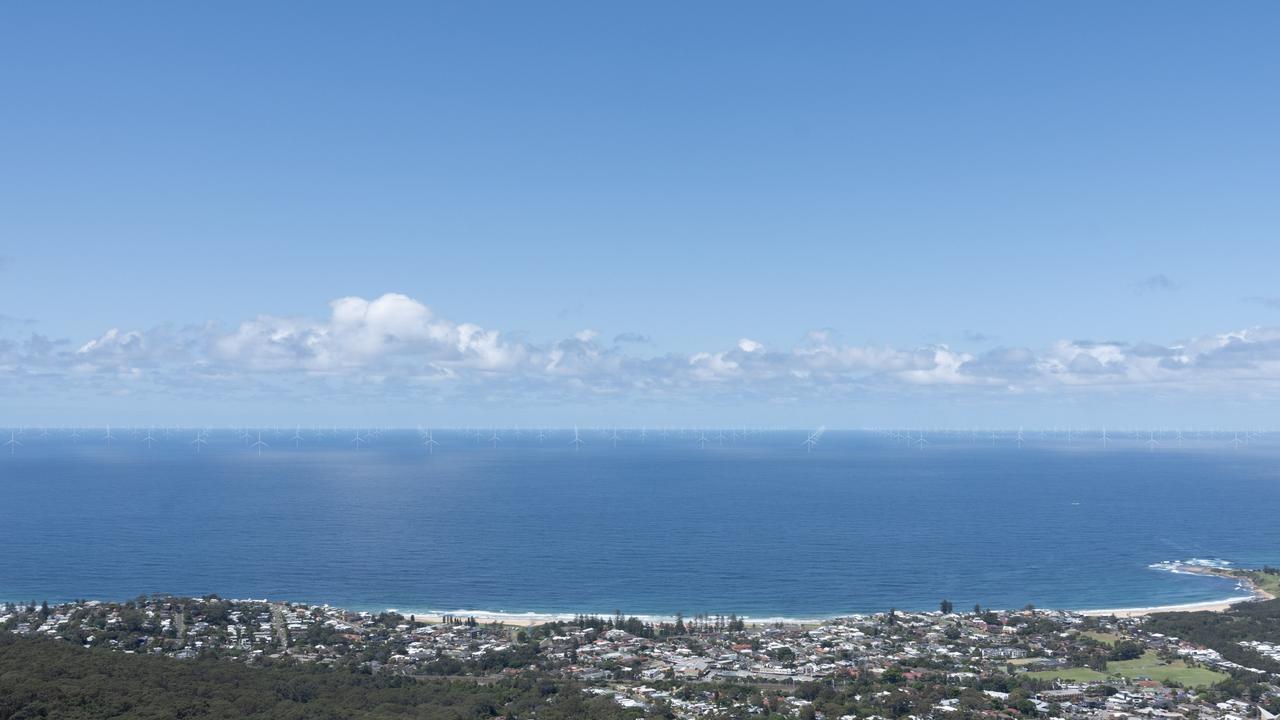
point(941, 664)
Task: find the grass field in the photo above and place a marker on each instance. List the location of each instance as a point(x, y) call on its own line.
point(1269, 583)
point(1104, 638)
point(1148, 666)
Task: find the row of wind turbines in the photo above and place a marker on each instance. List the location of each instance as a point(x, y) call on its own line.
point(1073, 437)
point(918, 439)
point(361, 438)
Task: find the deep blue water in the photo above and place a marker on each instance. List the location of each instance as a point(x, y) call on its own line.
point(755, 526)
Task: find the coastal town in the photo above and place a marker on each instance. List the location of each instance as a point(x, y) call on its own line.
point(946, 663)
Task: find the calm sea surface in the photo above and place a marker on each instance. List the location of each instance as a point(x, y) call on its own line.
point(751, 525)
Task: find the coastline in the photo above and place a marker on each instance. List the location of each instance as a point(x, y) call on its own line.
point(1247, 582)
point(531, 619)
point(1210, 606)
point(1244, 578)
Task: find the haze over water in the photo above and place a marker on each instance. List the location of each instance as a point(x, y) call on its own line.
point(751, 525)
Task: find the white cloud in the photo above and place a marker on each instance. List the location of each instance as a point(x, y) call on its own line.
point(392, 333)
point(396, 345)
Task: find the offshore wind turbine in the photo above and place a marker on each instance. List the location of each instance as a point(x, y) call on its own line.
point(614, 438)
point(430, 442)
point(359, 441)
point(1106, 440)
point(811, 441)
point(148, 439)
point(108, 437)
point(13, 442)
point(259, 444)
point(297, 436)
point(577, 439)
point(1152, 442)
point(199, 442)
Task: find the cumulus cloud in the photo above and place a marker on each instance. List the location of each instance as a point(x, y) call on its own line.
point(397, 345)
point(391, 333)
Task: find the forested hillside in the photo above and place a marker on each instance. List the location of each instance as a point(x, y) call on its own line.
point(42, 678)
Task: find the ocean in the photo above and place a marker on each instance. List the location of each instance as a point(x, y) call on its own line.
point(666, 523)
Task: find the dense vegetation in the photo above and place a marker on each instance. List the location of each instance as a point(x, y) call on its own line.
point(42, 678)
point(1223, 631)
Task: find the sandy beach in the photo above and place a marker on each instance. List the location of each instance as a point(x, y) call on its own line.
point(1247, 583)
point(532, 619)
point(1214, 606)
point(512, 620)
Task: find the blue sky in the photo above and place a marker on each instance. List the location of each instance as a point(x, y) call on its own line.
point(853, 188)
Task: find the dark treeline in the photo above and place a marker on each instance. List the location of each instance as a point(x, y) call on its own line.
point(41, 678)
point(696, 625)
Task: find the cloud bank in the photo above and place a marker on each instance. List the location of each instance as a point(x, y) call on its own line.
point(394, 346)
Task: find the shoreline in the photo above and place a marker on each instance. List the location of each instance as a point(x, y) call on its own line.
point(530, 619)
point(1131, 612)
point(1244, 578)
